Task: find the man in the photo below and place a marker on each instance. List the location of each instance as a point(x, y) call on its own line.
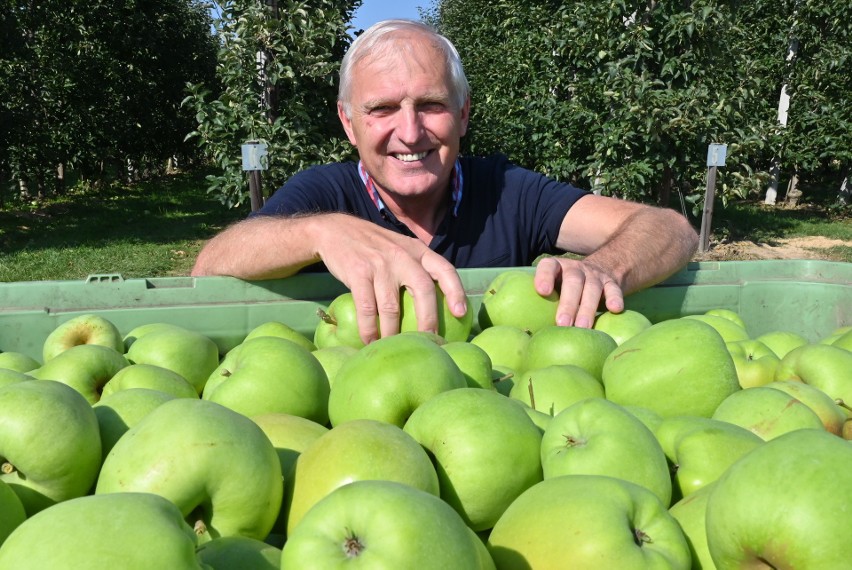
point(412, 210)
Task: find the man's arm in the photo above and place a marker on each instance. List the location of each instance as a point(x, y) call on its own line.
point(628, 246)
point(374, 263)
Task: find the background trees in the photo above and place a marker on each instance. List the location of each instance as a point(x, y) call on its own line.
point(96, 85)
point(624, 96)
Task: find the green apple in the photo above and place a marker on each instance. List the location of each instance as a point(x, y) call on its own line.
point(586, 348)
point(729, 330)
point(675, 367)
point(82, 329)
point(229, 552)
point(12, 512)
point(596, 437)
point(690, 512)
point(269, 374)
point(18, 361)
point(50, 446)
point(450, 327)
point(843, 340)
point(650, 418)
point(216, 465)
point(141, 330)
point(784, 505)
point(383, 524)
point(623, 325)
point(191, 354)
point(833, 416)
point(553, 388)
point(835, 335)
point(588, 522)
point(354, 451)
point(506, 345)
point(84, 367)
point(151, 377)
point(131, 531)
point(473, 362)
point(281, 330)
point(699, 450)
point(767, 412)
point(388, 379)
point(540, 419)
point(755, 362)
point(338, 324)
point(331, 358)
point(13, 376)
point(485, 449)
point(290, 435)
point(781, 342)
point(119, 411)
point(823, 366)
point(511, 299)
point(729, 314)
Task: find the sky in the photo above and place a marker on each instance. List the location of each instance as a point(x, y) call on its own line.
point(372, 11)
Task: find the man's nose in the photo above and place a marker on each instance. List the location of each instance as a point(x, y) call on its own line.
point(409, 127)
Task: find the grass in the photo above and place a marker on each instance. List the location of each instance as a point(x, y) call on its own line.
point(150, 229)
point(156, 228)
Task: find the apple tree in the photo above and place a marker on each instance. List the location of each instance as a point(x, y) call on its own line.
point(277, 66)
point(96, 86)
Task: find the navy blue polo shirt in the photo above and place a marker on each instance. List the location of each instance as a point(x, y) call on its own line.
point(507, 217)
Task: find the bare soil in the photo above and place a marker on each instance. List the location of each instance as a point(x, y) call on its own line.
point(812, 247)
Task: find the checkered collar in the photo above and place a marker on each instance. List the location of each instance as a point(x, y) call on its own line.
point(457, 181)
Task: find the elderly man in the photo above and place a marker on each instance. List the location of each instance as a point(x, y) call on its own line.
point(412, 210)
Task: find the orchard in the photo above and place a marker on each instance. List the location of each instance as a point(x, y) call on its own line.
point(501, 441)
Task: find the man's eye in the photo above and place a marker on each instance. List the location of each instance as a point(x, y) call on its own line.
point(432, 107)
point(381, 110)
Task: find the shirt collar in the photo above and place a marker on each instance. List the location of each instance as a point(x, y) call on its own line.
point(456, 180)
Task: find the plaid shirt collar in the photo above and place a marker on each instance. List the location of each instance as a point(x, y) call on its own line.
point(457, 180)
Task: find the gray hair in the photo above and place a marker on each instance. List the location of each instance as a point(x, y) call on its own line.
point(378, 39)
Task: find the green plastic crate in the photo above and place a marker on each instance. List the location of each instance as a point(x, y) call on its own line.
point(811, 298)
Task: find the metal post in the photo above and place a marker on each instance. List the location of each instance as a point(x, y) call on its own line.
point(707, 213)
point(255, 193)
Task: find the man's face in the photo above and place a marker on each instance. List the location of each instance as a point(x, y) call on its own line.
point(404, 122)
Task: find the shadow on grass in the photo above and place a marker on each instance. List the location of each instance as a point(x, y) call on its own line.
point(164, 210)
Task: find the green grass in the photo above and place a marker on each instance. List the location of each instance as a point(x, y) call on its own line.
point(156, 228)
point(149, 229)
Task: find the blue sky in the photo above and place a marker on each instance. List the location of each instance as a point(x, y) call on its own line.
point(372, 11)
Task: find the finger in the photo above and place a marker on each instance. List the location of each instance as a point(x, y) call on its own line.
point(366, 310)
point(425, 300)
point(570, 296)
point(614, 297)
point(547, 273)
point(387, 291)
point(589, 302)
point(449, 282)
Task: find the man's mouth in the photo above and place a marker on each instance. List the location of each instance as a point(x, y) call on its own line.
point(410, 157)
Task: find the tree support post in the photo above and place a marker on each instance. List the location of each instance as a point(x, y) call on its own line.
point(715, 157)
point(254, 156)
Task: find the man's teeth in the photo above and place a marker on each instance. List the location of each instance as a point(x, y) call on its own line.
point(411, 157)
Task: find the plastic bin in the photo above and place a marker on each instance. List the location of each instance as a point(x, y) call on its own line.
point(811, 298)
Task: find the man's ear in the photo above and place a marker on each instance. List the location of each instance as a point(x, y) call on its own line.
point(347, 124)
point(465, 116)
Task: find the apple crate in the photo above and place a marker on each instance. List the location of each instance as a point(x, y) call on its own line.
point(810, 298)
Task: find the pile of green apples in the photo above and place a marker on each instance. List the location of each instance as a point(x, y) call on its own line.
point(501, 441)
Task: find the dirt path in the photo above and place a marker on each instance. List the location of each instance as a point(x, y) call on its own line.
point(815, 247)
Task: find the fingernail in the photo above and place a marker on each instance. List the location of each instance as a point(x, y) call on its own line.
point(563, 321)
point(460, 309)
point(582, 322)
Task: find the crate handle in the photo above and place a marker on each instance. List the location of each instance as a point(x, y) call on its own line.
point(105, 278)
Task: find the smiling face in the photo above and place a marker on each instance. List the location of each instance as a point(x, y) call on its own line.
point(404, 121)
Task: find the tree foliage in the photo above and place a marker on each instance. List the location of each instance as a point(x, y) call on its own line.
point(624, 96)
point(278, 63)
point(92, 84)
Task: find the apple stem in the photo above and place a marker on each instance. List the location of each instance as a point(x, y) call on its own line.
point(325, 317)
point(7, 468)
point(199, 527)
point(842, 404)
point(532, 394)
point(641, 537)
point(352, 546)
